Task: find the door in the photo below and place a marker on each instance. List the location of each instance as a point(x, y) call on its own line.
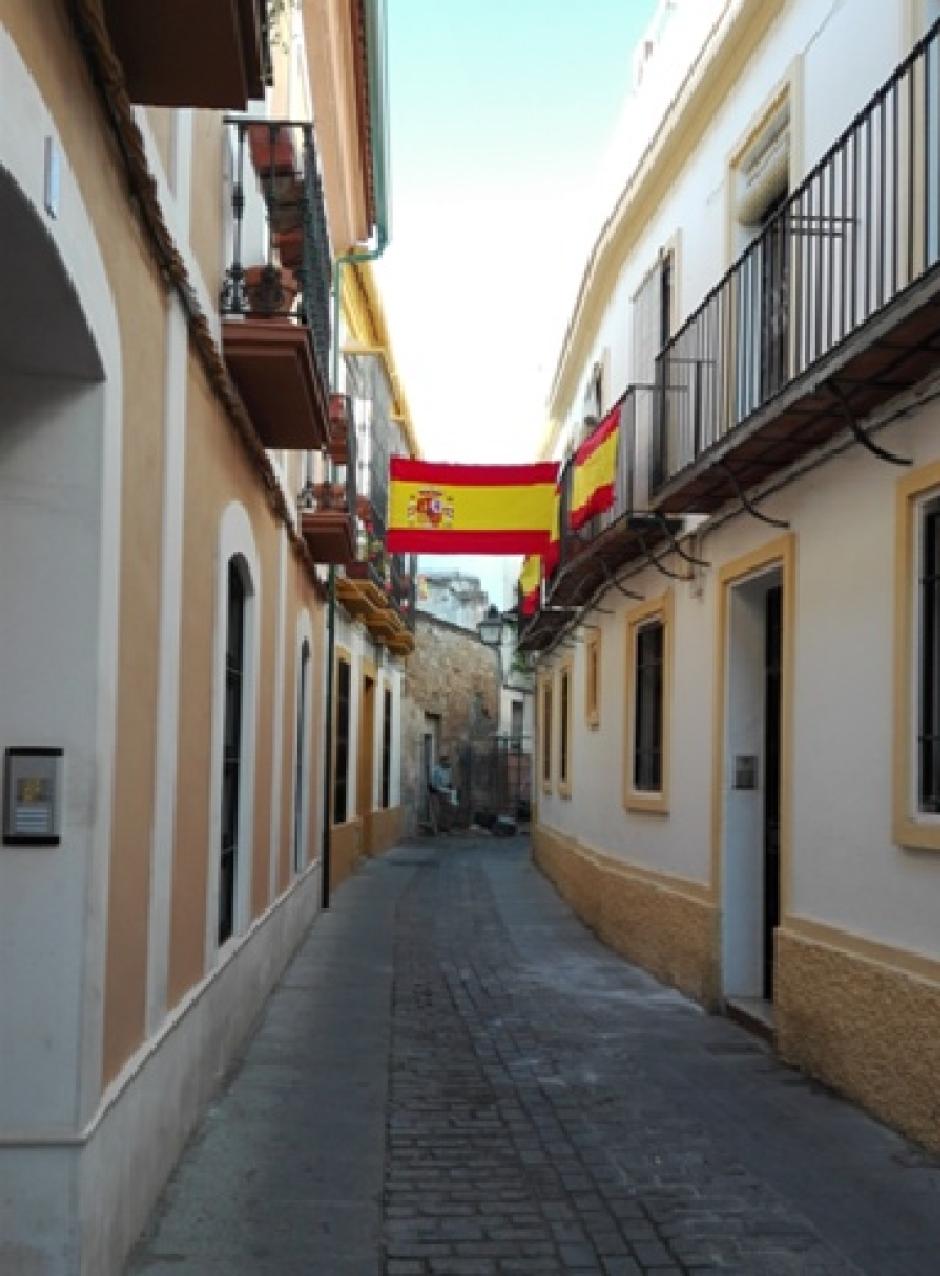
point(773, 631)
point(365, 786)
point(751, 824)
point(774, 301)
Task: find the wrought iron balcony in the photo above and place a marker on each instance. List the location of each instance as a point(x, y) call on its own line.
point(831, 310)
point(276, 298)
point(328, 514)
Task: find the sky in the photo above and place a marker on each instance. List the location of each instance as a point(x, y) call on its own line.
point(501, 113)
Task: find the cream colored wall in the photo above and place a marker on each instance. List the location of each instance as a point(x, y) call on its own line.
point(47, 45)
point(694, 202)
point(845, 869)
point(207, 213)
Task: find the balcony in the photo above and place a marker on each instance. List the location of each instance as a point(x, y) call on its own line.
point(830, 312)
point(276, 299)
point(176, 53)
point(341, 427)
point(378, 588)
point(593, 555)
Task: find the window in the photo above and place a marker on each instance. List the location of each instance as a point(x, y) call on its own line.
point(546, 732)
point(564, 730)
point(928, 660)
point(387, 751)
point(646, 766)
point(300, 758)
point(916, 821)
point(232, 745)
point(515, 725)
point(648, 724)
point(592, 678)
point(341, 755)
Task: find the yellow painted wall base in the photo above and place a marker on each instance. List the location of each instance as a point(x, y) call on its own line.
point(345, 850)
point(867, 1027)
point(385, 828)
point(666, 925)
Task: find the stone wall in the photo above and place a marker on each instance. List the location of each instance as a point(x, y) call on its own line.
point(451, 675)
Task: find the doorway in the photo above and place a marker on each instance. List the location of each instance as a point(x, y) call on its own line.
point(365, 780)
point(753, 758)
point(430, 746)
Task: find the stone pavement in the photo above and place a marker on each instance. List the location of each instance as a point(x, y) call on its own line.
point(455, 1078)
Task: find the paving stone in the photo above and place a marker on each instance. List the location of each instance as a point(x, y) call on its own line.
point(455, 1078)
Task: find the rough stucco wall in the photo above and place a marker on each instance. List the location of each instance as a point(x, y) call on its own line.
point(451, 675)
point(671, 934)
point(867, 1028)
point(345, 850)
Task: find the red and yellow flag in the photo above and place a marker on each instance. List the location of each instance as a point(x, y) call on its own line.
point(470, 509)
point(551, 555)
point(595, 471)
point(530, 579)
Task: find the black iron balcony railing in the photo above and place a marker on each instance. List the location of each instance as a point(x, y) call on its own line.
point(861, 230)
point(636, 418)
point(279, 260)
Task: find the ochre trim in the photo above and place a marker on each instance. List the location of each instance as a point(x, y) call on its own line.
point(907, 829)
point(662, 609)
point(665, 923)
point(863, 1017)
point(345, 850)
point(902, 959)
point(780, 552)
point(385, 829)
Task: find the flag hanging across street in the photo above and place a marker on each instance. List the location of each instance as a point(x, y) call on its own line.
point(470, 509)
point(530, 579)
point(595, 471)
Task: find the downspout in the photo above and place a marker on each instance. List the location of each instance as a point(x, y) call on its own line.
point(377, 52)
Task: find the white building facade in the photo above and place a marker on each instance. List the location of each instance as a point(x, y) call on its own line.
point(738, 666)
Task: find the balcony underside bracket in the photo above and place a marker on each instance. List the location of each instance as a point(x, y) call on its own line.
point(748, 505)
point(860, 434)
point(655, 560)
point(611, 579)
point(684, 554)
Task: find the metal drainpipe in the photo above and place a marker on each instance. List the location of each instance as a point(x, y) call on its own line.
point(377, 89)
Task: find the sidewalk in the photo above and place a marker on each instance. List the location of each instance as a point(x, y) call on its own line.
point(455, 1079)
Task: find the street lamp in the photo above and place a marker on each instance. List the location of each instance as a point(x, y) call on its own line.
point(490, 628)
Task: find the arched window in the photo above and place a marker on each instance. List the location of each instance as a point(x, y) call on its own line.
point(301, 777)
point(233, 736)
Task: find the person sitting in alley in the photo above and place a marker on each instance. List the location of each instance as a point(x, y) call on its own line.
point(443, 796)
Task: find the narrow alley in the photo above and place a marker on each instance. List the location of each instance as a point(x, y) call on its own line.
point(454, 1078)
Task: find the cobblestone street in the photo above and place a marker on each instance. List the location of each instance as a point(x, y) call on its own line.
point(455, 1078)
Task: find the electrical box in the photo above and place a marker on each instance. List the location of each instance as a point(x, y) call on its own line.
point(32, 797)
point(745, 771)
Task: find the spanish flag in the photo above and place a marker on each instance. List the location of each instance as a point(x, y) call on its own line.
point(551, 555)
point(530, 578)
point(470, 509)
point(595, 471)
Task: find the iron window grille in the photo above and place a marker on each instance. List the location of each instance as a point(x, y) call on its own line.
point(648, 718)
point(232, 747)
point(928, 735)
point(341, 760)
